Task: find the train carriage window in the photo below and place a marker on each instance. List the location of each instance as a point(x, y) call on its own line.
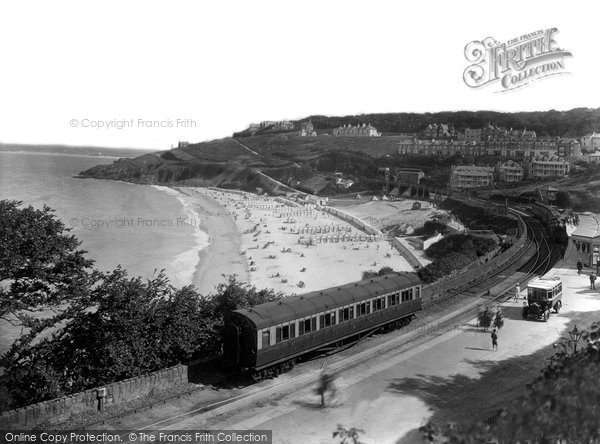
point(322, 321)
point(327, 320)
point(361, 309)
point(285, 332)
point(344, 314)
point(351, 312)
point(369, 307)
point(417, 292)
point(293, 330)
point(410, 294)
point(308, 325)
point(266, 338)
point(277, 335)
point(301, 327)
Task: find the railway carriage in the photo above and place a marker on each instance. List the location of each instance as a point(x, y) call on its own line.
point(268, 338)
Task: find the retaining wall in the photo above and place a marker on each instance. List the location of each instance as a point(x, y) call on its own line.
point(432, 292)
point(361, 224)
point(411, 258)
point(61, 409)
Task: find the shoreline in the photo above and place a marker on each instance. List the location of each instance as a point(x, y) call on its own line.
point(221, 256)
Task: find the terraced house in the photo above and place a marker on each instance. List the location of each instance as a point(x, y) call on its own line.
point(356, 131)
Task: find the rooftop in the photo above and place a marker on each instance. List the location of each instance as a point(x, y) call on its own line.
point(589, 226)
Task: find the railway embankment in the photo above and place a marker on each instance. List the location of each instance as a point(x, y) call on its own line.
point(475, 272)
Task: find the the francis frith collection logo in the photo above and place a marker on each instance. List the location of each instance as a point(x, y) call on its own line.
point(515, 63)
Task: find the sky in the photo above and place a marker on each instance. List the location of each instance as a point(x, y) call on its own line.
point(199, 70)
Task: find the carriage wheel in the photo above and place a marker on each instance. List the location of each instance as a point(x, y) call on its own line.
point(256, 377)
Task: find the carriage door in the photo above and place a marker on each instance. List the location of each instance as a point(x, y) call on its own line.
point(232, 344)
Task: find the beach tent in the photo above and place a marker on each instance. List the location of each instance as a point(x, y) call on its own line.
point(358, 196)
point(374, 198)
point(384, 197)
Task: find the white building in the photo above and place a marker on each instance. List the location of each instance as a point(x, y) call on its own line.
point(547, 167)
point(464, 176)
point(356, 131)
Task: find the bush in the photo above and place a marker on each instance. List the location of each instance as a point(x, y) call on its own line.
point(446, 265)
point(370, 274)
point(484, 318)
point(461, 243)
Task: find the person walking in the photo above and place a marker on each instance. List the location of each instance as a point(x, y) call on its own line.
point(326, 384)
point(579, 266)
point(517, 292)
point(592, 281)
point(494, 340)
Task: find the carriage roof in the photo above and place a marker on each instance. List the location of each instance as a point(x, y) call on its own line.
point(294, 307)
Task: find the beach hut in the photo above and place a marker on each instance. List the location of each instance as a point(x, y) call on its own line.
point(416, 206)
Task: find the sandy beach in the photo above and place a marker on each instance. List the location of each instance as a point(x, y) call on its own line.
point(221, 256)
point(294, 249)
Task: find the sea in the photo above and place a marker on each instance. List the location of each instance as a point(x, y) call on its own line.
point(144, 229)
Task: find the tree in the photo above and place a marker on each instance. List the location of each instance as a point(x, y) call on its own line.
point(129, 328)
point(46, 280)
point(41, 263)
point(563, 199)
point(233, 294)
point(485, 318)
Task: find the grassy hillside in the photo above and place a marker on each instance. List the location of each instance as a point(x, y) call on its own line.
point(265, 161)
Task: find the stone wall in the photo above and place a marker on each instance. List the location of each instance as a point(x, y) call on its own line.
point(61, 409)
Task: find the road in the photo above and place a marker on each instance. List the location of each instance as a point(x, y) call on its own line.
point(396, 392)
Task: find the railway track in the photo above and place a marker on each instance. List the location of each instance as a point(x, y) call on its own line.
point(537, 257)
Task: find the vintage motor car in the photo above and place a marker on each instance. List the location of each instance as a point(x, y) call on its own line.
point(543, 295)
